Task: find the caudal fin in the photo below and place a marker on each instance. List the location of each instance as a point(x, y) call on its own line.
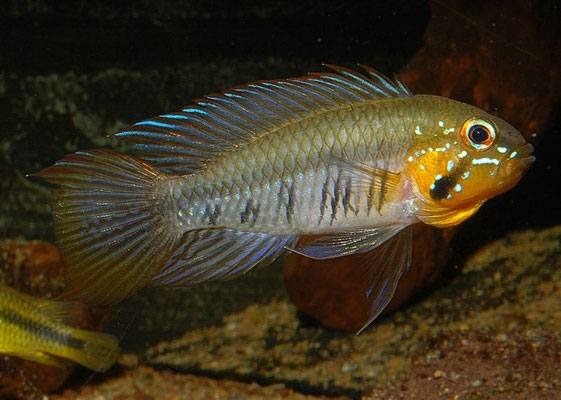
point(107, 224)
point(94, 350)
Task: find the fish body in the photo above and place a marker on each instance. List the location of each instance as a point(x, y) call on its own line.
point(296, 181)
point(34, 329)
point(235, 180)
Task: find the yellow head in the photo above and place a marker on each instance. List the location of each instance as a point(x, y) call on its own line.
point(461, 157)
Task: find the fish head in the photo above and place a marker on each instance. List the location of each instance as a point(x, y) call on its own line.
point(460, 164)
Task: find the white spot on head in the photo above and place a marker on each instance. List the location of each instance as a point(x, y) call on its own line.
point(465, 175)
point(458, 187)
point(502, 150)
point(418, 130)
point(448, 131)
point(441, 124)
point(450, 165)
point(463, 154)
point(485, 160)
point(422, 167)
point(513, 154)
point(410, 159)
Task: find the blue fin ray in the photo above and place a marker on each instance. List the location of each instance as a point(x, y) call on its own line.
point(216, 254)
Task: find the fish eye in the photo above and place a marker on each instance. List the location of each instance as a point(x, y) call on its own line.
point(478, 133)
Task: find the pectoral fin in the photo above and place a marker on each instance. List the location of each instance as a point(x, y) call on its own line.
point(347, 243)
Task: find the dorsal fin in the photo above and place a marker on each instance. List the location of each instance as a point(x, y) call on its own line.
point(182, 142)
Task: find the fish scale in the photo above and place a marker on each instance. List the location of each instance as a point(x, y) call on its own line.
point(236, 179)
point(291, 148)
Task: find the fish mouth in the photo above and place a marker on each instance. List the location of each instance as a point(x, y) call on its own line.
point(517, 162)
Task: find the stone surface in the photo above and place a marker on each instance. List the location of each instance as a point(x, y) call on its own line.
point(147, 383)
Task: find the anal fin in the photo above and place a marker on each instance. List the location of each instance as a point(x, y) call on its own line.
point(219, 254)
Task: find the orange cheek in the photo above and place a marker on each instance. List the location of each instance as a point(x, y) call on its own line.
point(428, 171)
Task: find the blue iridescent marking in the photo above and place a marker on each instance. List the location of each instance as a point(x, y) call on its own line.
point(175, 116)
point(158, 124)
point(194, 110)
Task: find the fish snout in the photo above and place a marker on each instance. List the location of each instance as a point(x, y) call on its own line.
point(518, 161)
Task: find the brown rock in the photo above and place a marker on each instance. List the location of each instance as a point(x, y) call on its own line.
point(34, 267)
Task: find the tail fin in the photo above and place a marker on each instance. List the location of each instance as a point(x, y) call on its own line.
point(107, 224)
point(94, 350)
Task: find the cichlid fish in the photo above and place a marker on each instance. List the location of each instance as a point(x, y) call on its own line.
point(36, 330)
point(235, 179)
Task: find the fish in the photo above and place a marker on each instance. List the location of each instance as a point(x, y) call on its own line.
point(37, 330)
point(237, 178)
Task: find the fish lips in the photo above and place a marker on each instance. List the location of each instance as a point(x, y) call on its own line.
point(513, 166)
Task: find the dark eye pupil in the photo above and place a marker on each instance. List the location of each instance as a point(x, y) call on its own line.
point(478, 134)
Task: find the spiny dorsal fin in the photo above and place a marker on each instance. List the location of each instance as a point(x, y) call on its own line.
point(182, 142)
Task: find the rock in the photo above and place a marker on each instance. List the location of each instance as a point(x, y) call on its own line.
point(481, 366)
point(34, 267)
point(147, 383)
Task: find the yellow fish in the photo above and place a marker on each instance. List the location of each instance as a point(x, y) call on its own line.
point(35, 329)
point(235, 179)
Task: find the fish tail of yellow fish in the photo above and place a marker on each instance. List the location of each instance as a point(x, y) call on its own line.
point(37, 330)
point(94, 350)
point(108, 226)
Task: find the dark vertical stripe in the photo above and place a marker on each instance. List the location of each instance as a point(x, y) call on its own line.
point(347, 197)
point(336, 196)
point(207, 214)
point(216, 214)
point(290, 203)
point(244, 215)
point(383, 191)
point(280, 197)
point(255, 213)
point(323, 204)
point(369, 200)
point(357, 203)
